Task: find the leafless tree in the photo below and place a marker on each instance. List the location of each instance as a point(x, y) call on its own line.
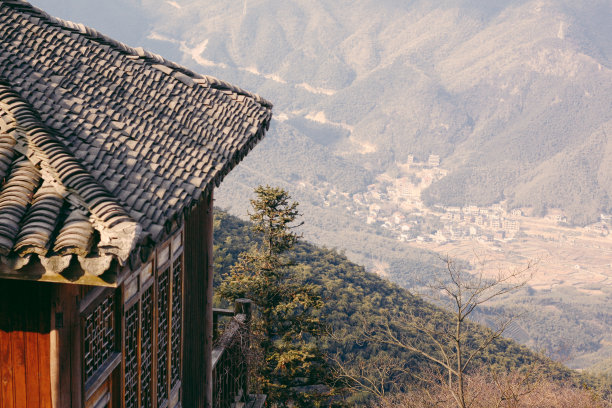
point(371, 376)
point(504, 390)
point(453, 344)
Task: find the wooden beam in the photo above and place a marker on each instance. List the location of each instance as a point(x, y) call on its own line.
point(65, 347)
point(208, 321)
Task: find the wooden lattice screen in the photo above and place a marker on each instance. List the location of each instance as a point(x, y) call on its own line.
point(153, 302)
point(98, 336)
point(146, 349)
point(163, 301)
point(177, 313)
point(131, 356)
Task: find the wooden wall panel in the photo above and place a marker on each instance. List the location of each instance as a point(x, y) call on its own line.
point(32, 380)
point(197, 311)
point(19, 368)
point(25, 309)
point(6, 371)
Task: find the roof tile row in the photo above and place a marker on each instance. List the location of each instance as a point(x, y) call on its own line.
point(122, 140)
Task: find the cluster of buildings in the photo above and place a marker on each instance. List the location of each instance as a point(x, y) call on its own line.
point(432, 161)
point(400, 211)
point(602, 227)
point(395, 206)
point(484, 223)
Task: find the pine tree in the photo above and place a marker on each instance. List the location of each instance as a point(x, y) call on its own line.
point(284, 327)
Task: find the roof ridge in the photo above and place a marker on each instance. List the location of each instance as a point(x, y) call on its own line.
point(139, 52)
point(119, 231)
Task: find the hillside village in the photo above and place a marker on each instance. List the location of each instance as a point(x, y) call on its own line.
point(394, 204)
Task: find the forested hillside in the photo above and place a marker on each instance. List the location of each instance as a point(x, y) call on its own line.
point(354, 298)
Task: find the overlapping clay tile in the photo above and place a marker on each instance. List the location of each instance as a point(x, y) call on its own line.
point(98, 118)
point(40, 221)
point(75, 236)
point(14, 200)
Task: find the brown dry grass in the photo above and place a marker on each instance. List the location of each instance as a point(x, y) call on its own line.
point(505, 391)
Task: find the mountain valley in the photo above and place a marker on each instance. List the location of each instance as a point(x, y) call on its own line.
point(514, 98)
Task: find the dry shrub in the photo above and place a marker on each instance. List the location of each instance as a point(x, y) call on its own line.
point(499, 391)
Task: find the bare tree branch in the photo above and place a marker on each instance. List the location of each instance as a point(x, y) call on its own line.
point(466, 291)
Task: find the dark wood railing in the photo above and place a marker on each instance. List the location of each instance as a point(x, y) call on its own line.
point(229, 356)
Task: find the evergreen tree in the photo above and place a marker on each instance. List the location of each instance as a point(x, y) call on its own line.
point(284, 326)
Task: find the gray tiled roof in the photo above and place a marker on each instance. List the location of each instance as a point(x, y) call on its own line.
point(103, 145)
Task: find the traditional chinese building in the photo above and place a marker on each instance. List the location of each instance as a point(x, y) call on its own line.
point(108, 160)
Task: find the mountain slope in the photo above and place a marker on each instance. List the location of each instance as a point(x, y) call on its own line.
point(508, 92)
point(511, 90)
point(515, 96)
point(353, 298)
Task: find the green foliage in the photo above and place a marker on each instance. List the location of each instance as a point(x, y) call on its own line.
point(285, 326)
point(351, 298)
point(273, 217)
point(566, 323)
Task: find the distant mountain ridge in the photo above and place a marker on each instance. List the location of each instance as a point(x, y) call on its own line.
point(515, 96)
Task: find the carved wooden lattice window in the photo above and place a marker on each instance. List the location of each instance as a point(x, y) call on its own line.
point(146, 353)
point(177, 313)
point(163, 301)
point(153, 330)
point(131, 356)
point(98, 336)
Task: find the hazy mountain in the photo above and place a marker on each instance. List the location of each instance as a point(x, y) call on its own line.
point(515, 96)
